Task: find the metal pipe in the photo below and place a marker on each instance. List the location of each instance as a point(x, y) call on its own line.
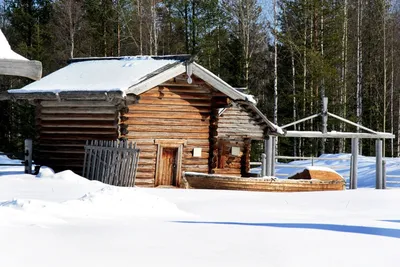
point(378, 166)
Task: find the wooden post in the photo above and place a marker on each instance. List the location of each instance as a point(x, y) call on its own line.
point(383, 174)
point(269, 150)
point(274, 145)
point(378, 151)
point(354, 163)
point(28, 156)
point(263, 165)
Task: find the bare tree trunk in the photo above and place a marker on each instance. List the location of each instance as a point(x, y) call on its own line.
point(118, 29)
point(384, 75)
point(275, 72)
point(301, 150)
point(140, 16)
point(398, 130)
point(343, 78)
point(71, 31)
point(323, 79)
point(311, 62)
point(105, 38)
point(294, 99)
point(392, 93)
point(154, 26)
point(186, 11)
point(194, 49)
point(275, 66)
point(359, 68)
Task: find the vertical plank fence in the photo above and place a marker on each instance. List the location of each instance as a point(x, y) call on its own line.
point(111, 162)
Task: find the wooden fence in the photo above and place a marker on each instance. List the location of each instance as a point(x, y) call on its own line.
point(111, 162)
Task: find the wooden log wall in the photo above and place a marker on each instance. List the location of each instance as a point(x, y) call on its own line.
point(64, 127)
point(236, 128)
point(237, 123)
point(173, 110)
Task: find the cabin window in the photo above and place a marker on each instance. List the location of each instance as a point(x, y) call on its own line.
point(197, 152)
point(235, 151)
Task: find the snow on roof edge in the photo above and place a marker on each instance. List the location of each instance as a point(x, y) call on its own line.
point(5, 50)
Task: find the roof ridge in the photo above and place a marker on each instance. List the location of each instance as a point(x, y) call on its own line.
point(181, 58)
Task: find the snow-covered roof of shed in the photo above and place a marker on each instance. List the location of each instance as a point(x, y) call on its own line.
point(128, 75)
point(97, 75)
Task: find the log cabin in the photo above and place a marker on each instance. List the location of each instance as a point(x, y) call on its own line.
point(182, 117)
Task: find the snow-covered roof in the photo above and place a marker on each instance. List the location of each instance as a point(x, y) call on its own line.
point(128, 75)
point(97, 75)
point(5, 49)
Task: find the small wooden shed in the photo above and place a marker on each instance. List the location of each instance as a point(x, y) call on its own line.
point(182, 116)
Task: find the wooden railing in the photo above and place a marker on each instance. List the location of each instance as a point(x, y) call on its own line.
point(111, 162)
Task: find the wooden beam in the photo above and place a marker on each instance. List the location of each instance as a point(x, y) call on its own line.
point(313, 134)
point(25, 68)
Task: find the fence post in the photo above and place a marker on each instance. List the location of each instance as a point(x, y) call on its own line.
point(384, 174)
point(378, 166)
point(354, 163)
point(274, 144)
point(263, 164)
point(28, 156)
point(268, 153)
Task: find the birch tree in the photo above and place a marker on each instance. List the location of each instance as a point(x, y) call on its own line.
point(68, 17)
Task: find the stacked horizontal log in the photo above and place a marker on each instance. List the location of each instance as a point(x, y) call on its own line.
point(236, 127)
point(235, 122)
point(173, 110)
point(64, 127)
point(229, 164)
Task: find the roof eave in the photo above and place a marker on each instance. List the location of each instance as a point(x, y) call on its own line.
point(90, 95)
point(24, 68)
point(216, 82)
point(155, 80)
point(274, 129)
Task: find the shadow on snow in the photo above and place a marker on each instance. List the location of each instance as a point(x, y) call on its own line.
point(367, 230)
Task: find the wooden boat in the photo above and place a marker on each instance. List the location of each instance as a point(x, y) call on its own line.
point(212, 181)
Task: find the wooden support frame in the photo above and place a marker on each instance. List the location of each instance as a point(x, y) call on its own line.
point(169, 143)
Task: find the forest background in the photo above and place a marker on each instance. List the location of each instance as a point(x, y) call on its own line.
point(289, 54)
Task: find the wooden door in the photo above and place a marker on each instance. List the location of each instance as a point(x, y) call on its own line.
point(168, 170)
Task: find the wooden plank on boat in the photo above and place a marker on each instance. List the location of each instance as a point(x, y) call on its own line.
point(224, 182)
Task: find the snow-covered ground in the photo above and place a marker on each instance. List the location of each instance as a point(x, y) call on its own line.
point(65, 220)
